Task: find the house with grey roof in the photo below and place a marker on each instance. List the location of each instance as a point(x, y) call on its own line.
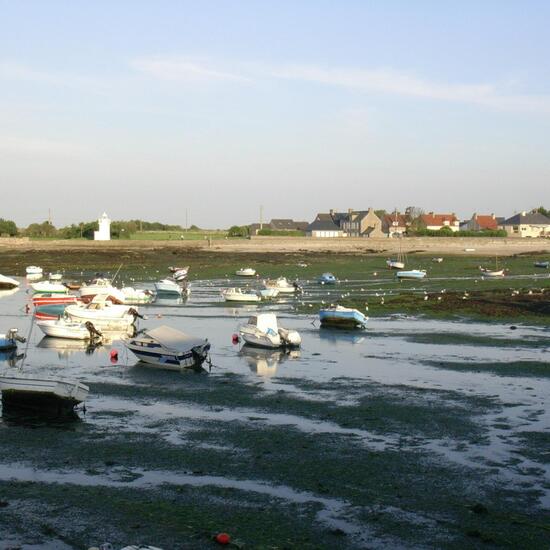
point(324, 226)
point(279, 224)
point(353, 223)
point(527, 224)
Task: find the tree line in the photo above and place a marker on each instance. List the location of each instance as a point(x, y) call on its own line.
point(84, 230)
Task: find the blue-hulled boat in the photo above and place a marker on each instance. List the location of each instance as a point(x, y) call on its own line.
point(544, 265)
point(9, 340)
point(327, 279)
point(342, 317)
point(412, 274)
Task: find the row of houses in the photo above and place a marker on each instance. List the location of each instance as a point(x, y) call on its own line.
point(366, 223)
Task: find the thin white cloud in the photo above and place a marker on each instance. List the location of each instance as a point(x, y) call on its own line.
point(183, 70)
point(17, 146)
point(393, 82)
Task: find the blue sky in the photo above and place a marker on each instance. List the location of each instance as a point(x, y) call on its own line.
point(145, 109)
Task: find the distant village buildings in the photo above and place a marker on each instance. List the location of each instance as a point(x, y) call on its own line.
point(104, 232)
point(367, 224)
point(278, 224)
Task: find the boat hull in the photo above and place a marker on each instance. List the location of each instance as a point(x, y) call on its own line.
point(342, 319)
point(158, 357)
point(410, 274)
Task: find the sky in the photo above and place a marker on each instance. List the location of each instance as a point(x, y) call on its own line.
point(149, 109)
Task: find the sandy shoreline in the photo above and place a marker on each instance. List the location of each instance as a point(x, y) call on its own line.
point(267, 245)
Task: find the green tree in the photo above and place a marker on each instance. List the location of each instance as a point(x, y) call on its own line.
point(8, 227)
point(238, 231)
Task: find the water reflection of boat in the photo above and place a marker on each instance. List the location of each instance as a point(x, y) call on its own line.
point(9, 292)
point(168, 301)
point(10, 356)
point(65, 348)
point(263, 361)
point(338, 335)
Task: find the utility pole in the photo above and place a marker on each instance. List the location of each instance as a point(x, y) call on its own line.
point(261, 217)
point(186, 220)
point(50, 216)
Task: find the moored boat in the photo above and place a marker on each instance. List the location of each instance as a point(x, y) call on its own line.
point(497, 273)
point(9, 340)
point(240, 295)
point(544, 265)
point(44, 299)
point(47, 287)
point(101, 286)
point(395, 264)
point(65, 328)
point(245, 272)
point(342, 317)
point(167, 348)
point(263, 330)
point(55, 276)
point(282, 285)
point(268, 293)
point(6, 283)
point(34, 270)
point(327, 279)
point(411, 274)
point(168, 287)
point(48, 394)
point(103, 314)
point(136, 295)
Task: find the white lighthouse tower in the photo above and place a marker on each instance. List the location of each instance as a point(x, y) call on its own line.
point(104, 233)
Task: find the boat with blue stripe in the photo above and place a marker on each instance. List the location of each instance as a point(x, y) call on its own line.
point(168, 348)
point(342, 317)
point(412, 274)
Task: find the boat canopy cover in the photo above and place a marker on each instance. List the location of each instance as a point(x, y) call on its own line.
point(173, 339)
point(265, 321)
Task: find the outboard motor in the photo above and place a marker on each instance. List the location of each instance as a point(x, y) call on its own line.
point(12, 335)
point(94, 333)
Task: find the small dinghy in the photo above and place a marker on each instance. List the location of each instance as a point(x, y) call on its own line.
point(174, 269)
point(168, 348)
point(245, 272)
point(282, 285)
point(136, 296)
point(262, 330)
point(437, 260)
point(395, 264)
point(47, 287)
point(268, 293)
point(495, 274)
point(240, 295)
point(34, 270)
point(9, 340)
point(544, 265)
point(73, 330)
point(180, 275)
point(55, 276)
point(6, 283)
point(411, 274)
point(342, 317)
point(168, 287)
point(327, 279)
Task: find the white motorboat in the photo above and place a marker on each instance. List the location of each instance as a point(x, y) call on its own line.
point(395, 264)
point(268, 293)
point(103, 313)
point(101, 286)
point(48, 287)
point(342, 317)
point(55, 276)
point(168, 286)
point(240, 295)
point(411, 274)
point(262, 330)
point(245, 272)
point(136, 295)
point(437, 260)
point(167, 348)
point(282, 285)
point(53, 394)
point(7, 282)
point(66, 328)
point(34, 270)
point(181, 274)
point(496, 274)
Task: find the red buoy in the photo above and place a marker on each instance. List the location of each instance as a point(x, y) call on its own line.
point(114, 356)
point(223, 538)
point(235, 339)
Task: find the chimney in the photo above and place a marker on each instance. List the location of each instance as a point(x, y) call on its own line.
point(493, 216)
point(350, 211)
point(331, 212)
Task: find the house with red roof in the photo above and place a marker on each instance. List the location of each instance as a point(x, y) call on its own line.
point(435, 222)
point(395, 224)
point(482, 222)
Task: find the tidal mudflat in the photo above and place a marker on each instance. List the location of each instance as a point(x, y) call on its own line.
point(417, 432)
